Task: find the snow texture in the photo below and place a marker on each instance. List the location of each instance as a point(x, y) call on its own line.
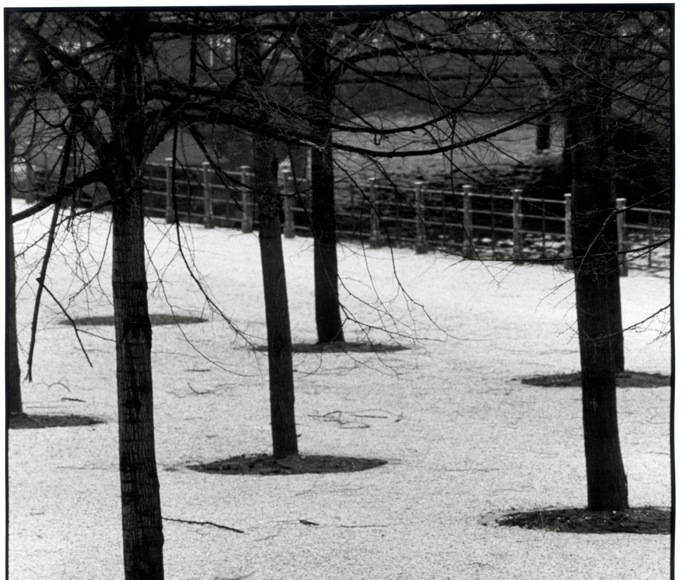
point(463, 438)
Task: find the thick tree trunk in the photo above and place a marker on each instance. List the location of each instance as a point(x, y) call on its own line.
point(140, 500)
point(13, 370)
point(319, 86)
point(141, 509)
point(283, 420)
point(596, 282)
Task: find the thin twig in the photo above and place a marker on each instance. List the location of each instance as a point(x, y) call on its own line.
point(71, 320)
point(204, 523)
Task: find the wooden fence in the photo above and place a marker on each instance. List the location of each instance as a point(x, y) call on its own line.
point(463, 221)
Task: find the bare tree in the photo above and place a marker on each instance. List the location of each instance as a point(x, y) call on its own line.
point(595, 252)
point(95, 65)
point(266, 190)
point(22, 86)
point(595, 63)
point(319, 83)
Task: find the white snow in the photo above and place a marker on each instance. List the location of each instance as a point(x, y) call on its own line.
point(462, 437)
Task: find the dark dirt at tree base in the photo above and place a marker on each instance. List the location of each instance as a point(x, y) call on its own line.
point(624, 379)
point(25, 421)
point(641, 520)
point(335, 347)
point(294, 465)
point(156, 320)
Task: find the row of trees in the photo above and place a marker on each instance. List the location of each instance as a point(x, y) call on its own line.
point(112, 84)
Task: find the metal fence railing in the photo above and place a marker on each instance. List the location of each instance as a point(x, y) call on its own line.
point(470, 223)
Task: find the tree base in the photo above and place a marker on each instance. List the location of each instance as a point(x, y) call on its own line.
point(293, 465)
point(641, 520)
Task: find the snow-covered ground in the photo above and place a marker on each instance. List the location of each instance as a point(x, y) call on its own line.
point(462, 436)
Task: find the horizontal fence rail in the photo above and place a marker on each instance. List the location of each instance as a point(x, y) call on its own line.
point(463, 221)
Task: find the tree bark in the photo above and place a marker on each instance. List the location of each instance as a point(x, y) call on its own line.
point(141, 507)
point(596, 279)
point(319, 86)
point(13, 370)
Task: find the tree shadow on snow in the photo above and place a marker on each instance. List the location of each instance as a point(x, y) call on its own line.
point(155, 319)
point(623, 379)
point(25, 421)
point(339, 347)
point(639, 520)
point(263, 464)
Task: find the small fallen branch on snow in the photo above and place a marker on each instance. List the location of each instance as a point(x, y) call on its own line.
point(205, 523)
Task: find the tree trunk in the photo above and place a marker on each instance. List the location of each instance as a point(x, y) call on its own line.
point(323, 214)
point(13, 370)
point(141, 508)
point(319, 86)
point(543, 133)
point(596, 281)
point(13, 398)
point(283, 421)
point(140, 501)
point(266, 194)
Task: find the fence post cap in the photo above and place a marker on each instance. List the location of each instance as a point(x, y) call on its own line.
point(567, 196)
point(244, 167)
point(168, 159)
point(466, 187)
point(205, 163)
point(517, 191)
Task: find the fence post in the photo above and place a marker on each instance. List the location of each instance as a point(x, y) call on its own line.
point(309, 165)
point(170, 213)
point(650, 237)
point(467, 223)
point(517, 218)
point(287, 205)
point(421, 246)
point(247, 200)
point(374, 236)
point(208, 195)
point(568, 239)
point(620, 227)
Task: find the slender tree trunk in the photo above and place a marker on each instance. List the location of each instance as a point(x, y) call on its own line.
point(266, 193)
point(596, 281)
point(327, 308)
point(13, 370)
point(282, 415)
point(141, 509)
point(543, 133)
point(319, 85)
